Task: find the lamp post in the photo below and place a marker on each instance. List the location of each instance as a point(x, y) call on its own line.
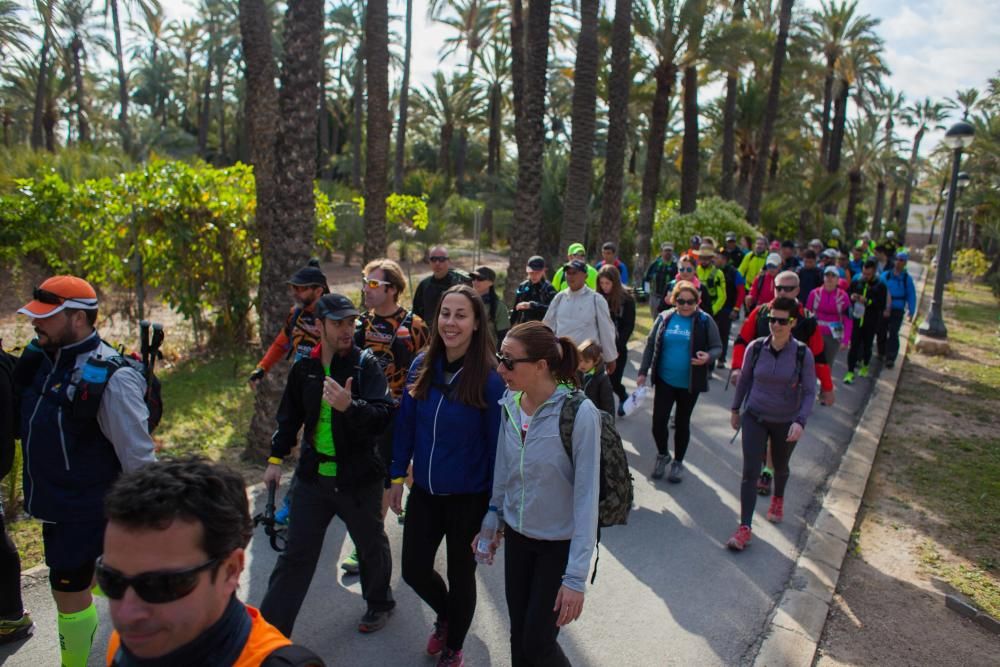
point(963, 182)
point(958, 136)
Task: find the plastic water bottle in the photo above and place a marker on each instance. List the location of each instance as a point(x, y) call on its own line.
point(487, 533)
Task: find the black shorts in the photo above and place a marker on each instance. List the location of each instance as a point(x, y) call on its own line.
point(70, 551)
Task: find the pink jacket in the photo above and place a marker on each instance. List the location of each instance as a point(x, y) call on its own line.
point(830, 307)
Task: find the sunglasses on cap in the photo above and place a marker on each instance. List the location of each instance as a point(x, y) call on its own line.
point(439, 258)
point(686, 269)
point(685, 302)
point(785, 288)
point(783, 321)
point(51, 298)
point(510, 362)
point(157, 587)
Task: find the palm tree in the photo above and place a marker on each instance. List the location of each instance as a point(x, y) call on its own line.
point(450, 104)
point(378, 127)
point(864, 145)
point(965, 100)
point(770, 112)
point(618, 125)
point(75, 17)
point(860, 70)
point(12, 30)
point(45, 9)
point(495, 65)
point(404, 104)
point(111, 6)
point(579, 178)
point(923, 115)
point(690, 162)
point(726, 189)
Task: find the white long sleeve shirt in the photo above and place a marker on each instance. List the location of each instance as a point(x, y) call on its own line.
point(583, 314)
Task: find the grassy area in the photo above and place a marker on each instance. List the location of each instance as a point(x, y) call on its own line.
point(943, 441)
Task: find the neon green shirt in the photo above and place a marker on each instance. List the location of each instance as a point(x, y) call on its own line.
point(324, 436)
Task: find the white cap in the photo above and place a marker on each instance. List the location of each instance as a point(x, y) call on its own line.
point(774, 258)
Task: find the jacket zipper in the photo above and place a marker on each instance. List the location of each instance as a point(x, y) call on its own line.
point(31, 423)
point(517, 428)
point(62, 437)
point(430, 463)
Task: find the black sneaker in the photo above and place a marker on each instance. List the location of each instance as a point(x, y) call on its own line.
point(661, 465)
point(890, 363)
point(374, 620)
point(621, 408)
point(676, 471)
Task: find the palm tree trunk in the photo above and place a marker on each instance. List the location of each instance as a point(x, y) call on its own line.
point(404, 104)
point(879, 209)
point(324, 123)
point(277, 257)
point(579, 177)
point(665, 75)
point(839, 125)
point(517, 65)
point(893, 207)
point(530, 141)
point(41, 88)
point(492, 158)
point(726, 189)
point(205, 108)
point(689, 147)
point(618, 94)
point(853, 197)
point(445, 135)
point(80, 95)
point(359, 113)
point(770, 113)
point(911, 171)
point(379, 127)
point(824, 145)
point(123, 127)
point(220, 87)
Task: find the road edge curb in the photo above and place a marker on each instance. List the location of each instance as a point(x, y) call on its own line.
point(795, 627)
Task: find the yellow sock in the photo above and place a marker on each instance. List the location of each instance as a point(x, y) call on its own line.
point(76, 635)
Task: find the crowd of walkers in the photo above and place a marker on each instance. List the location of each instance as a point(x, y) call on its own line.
point(452, 413)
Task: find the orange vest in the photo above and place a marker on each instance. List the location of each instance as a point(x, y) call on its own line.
point(264, 639)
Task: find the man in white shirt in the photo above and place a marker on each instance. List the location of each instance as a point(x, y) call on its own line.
point(580, 313)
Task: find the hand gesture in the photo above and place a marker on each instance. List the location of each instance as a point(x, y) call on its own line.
point(337, 397)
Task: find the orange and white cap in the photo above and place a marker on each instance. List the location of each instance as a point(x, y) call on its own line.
point(58, 293)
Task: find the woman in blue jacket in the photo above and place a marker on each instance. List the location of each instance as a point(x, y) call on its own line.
point(447, 425)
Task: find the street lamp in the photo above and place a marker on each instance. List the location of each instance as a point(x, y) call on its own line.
point(958, 137)
point(963, 182)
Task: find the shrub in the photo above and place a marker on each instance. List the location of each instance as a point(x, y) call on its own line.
point(714, 217)
point(970, 264)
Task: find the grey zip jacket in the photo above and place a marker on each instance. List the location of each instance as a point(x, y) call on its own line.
point(539, 491)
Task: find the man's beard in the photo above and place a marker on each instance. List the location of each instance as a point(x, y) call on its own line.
point(57, 339)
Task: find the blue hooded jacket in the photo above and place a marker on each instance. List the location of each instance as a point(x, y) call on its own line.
point(901, 289)
point(452, 445)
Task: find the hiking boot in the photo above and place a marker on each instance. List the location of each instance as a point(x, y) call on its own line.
point(849, 377)
point(776, 512)
point(676, 471)
point(451, 658)
point(890, 363)
point(439, 635)
point(863, 371)
point(740, 539)
point(764, 483)
point(661, 465)
point(374, 620)
point(350, 564)
point(13, 630)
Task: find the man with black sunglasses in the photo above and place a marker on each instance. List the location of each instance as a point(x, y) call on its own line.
point(174, 549)
point(75, 444)
point(442, 278)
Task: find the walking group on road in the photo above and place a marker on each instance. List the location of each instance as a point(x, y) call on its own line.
point(481, 426)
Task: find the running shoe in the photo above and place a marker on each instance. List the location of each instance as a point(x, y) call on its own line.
point(451, 658)
point(863, 371)
point(439, 635)
point(661, 465)
point(281, 516)
point(890, 363)
point(621, 408)
point(849, 377)
point(13, 630)
point(764, 483)
point(350, 564)
point(776, 512)
point(374, 620)
point(740, 539)
point(676, 471)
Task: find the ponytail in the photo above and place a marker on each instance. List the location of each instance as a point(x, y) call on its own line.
point(541, 343)
point(569, 360)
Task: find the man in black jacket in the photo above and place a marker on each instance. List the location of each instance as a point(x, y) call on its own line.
point(340, 396)
point(534, 295)
point(442, 278)
point(870, 303)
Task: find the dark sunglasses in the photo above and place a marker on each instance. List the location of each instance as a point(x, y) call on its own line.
point(438, 258)
point(508, 362)
point(686, 269)
point(152, 587)
point(783, 321)
point(685, 302)
point(786, 288)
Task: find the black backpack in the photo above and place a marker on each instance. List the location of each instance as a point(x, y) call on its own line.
point(94, 378)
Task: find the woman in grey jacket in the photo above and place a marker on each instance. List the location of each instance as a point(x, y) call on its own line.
point(547, 499)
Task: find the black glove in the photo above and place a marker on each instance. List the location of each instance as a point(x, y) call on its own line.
point(257, 375)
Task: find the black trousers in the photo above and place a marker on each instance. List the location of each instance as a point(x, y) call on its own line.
point(725, 324)
point(616, 377)
point(756, 433)
point(663, 401)
point(862, 341)
point(316, 502)
point(893, 324)
point(455, 519)
point(533, 572)
point(11, 605)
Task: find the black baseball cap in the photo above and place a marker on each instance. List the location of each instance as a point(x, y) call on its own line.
point(575, 265)
point(335, 307)
point(310, 274)
point(536, 262)
point(484, 273)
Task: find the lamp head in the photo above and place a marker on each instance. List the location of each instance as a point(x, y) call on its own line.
point(959, 135)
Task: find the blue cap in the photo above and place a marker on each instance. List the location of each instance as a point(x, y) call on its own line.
point(902, 256)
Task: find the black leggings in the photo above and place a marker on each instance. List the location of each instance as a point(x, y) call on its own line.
point(663, 401)
point(725, 324)
point(616, 377)
point(429, 519)
point(11, 605)
point(861, 345)
point(533, 572)
point(755, 436)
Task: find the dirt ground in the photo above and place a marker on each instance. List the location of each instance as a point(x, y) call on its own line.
point(912, 538)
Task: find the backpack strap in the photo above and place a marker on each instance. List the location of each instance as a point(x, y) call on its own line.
point(292, 656)
point(567, 418)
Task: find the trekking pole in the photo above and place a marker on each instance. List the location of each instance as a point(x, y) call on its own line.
point(275, 535)
point(144, 341)
point(154, 350)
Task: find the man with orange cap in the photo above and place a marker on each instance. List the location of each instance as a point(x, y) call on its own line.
point(83, 421)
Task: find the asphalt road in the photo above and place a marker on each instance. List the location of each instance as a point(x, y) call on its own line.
point(667, 590)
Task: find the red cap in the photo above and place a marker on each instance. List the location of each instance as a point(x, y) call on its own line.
point(58, 293)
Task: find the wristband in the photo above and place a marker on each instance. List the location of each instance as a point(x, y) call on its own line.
point(274, 460)
point(398, 480)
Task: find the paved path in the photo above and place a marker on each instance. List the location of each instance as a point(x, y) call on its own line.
point(667, 591)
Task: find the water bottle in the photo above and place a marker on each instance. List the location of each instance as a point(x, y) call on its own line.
point(491, 523)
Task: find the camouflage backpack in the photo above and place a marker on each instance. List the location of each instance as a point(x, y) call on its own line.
point(616, 492)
